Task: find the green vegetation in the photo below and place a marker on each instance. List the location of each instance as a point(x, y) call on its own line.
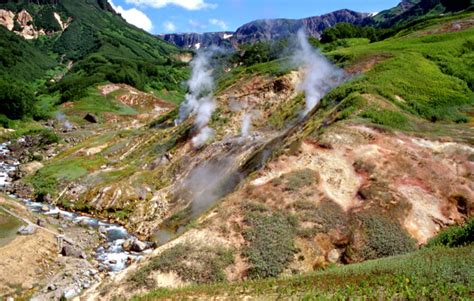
point(455, 236)
point(297, 179)
point(434, 273)
point(270, 243)
point(429, 77)
point(8, 227)
point(103, 47)
point(200, 264)
point(347, 30)
point(384, 237)
point(15, 101)
point(46, 180)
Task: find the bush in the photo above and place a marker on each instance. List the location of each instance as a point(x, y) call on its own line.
point(455, 236)
point(384, 237)
point(270, 243)
point(191, 263)
point(16, 101)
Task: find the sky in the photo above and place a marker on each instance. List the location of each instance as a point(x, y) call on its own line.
point(172, 16)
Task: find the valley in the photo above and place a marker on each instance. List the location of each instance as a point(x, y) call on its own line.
point(331, 164)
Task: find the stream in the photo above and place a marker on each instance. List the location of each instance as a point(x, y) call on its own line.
point(110, 253)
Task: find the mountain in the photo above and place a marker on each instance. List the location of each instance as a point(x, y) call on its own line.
point(411, 10)
point(265, 30)
point(72, 45)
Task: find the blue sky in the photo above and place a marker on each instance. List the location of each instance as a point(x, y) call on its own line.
point(167, 16)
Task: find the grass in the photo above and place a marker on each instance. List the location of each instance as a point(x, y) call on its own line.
point(47, 179)
point(438, 273)
point(98, 104)
point(424, 76)
point(8, 227)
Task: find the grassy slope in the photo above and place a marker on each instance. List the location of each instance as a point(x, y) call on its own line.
point(418, 75)
point(20, 59)
point(429, 273)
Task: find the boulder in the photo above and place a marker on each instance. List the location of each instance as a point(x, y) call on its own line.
point(138, 246)
point(91, 118)
point(72, 251)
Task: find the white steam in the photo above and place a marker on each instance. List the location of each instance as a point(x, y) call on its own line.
point(199, 101)
point(246, 125)
point(320, 75)
point(63, 120)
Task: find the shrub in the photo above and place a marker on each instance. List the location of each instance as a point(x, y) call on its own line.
point(270, 243)
point(455, 236)
point(16, 101)
point(192, 263)
point(384, 237)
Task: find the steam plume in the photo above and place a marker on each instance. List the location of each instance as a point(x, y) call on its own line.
point(320, 75)
point(246, 125)
point(199, 101)
point(63, 119)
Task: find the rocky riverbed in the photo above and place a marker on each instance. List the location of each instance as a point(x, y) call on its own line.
point(88, 249)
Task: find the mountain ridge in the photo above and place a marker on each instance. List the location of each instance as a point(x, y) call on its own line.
point(265, 30)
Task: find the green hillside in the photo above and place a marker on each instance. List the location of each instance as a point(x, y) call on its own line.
point(97, 46)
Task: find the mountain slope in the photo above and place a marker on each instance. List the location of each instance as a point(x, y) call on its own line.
point(87, 43)
point(265, 30)
point(376, 170)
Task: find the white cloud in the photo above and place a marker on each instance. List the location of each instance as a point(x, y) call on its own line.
point(169, 26)
point(187, 4)
point(220, 23)
point(134, 16)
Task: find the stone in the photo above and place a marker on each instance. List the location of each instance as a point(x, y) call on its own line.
point(91, 118)
point(127, 245)
point(334, 255)
point(45, 208)
point(138, 246)
point(71, 251)
point(41, 222)
point(113, 261)
point(27, 230)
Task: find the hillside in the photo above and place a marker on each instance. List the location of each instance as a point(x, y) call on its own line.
point(266, 172)
point(68, 46)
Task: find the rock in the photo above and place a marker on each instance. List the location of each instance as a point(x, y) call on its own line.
point(138, 246)
point(334, 255)
point(72, 251)
point(45, 208)
point(113, 261)
point(27, 230)
point(41, 222)
point(91, 118)
point(51, 287)
point(102, 230)
point(127, 245)
point(10, 299)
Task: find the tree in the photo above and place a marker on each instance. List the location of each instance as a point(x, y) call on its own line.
point(16, 100)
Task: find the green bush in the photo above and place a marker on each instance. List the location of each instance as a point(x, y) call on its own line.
point(384, 237)
point(16, 101)
point(454, 236)
point(192, 263)
point(270, 243)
